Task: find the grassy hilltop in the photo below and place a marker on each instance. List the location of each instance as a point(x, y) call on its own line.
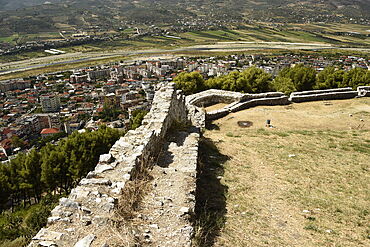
point(302, 183)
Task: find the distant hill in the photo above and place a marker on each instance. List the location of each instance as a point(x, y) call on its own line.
point(18, 4)
point(34, 16)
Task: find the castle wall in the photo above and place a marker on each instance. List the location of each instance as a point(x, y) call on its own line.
point(85, 217)
point(363, 91)
point(238, 101)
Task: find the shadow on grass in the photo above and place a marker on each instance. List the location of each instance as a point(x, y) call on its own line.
point(210, 208)
point(212, 126)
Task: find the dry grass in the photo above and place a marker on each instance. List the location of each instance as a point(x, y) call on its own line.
point(304, 182)
point(131, 198)
point(125, 219)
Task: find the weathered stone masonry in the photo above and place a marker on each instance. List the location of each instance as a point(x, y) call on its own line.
point(84, 218)
point(238, 101)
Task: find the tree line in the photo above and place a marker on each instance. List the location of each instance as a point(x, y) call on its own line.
point(290, 79)
point(53, 168)
point(30, 184)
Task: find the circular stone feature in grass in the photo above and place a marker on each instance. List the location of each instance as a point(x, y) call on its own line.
point(245, 124)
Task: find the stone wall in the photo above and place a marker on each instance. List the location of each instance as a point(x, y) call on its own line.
point(363, 91)
point(84, 218)
point(213, 96)
point(238, 102)
point(329, 94)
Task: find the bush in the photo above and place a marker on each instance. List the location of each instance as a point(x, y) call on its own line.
point(256, 80)
point(190, 83)
point(303, 78)
point(136, 118)
point(37, 218)
point(19, 242)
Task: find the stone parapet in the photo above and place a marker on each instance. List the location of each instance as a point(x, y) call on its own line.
point(329, 94)
point(239, 106)
point(213, 96)
point(363, 91)
point(237, 102)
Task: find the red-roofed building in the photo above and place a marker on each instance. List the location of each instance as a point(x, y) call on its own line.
point(49, 132)
point(6, 146)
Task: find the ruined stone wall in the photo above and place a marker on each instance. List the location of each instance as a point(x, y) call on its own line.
point(84, 218)
point(213, 96)
point(329, 94)
point(239, 106)
point(346, 89)
point(240, 102)
point(363, 91)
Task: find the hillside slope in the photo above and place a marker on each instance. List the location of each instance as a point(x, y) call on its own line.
point(34, 16)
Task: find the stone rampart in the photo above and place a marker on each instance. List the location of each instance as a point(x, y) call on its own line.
point(238, 106)
point(363, 91)
point(328, 94)
point(84, 218)
point(310, 92)
point(213, 96)
point(238, 102)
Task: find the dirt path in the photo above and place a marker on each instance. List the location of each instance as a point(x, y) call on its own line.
point(164, 217)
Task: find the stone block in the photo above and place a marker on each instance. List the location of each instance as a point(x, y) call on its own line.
point(106, 158)
point(95, 181)
point(65, 202)
point(45, 234)
point(86, 241)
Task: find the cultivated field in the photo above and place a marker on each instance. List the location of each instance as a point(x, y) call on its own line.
point(304, 182)
point(258, 38)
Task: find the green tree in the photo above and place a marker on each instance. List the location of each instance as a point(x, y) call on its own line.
point(303, 78)
point(233, 82)
point(190, 83)
point(5, 187)
point(49, 170)
point(31, 174)
point(15, 180)
point(284, 84)
point(110, 112)
point(17, 142)
point(251, 80)
point(356, 77)
point(137, 117)
point(329, 78)
point(257, 80)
